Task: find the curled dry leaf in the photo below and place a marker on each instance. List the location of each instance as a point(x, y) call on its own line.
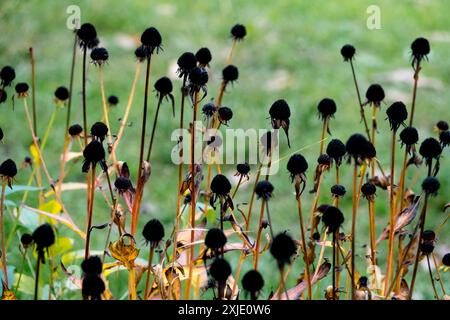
point(124, 252)
point(7, 294)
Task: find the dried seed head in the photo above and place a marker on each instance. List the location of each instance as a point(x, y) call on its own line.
point(324, 160)
point(92, 287)
point(215, 239)
point(336, 150)
point(43, 237)
point(141, 53)
point(442, 125)
point(397, 114)
point(220, 185)
point(99, 55)
point(113, 100)
point(252, 281)
point(368, 189)
point(93, 153)
point(163, 86)
point(444, 138)
point(430, 149)
point(332, 218)
point(362, 282)
point(62, 93)
point(371, 152)
point(243, 168)
point(8, 169)
point(26, 239)
point(186, 62)
point(283, 248)
point(198, 77)
point(7, 75)
point(357, 146)
point(446, 260)
point(431, 186)
point(427, 247)
point(230, 73)
point(153, 232)
point(220, 270)
point(225, 114)
point(429, 235)
point(338, 190)
point(326, 108)
point(22, 89)
point(420, 48)
point(316, 236)
point(75, 130)
point(151, 39)
point(280, 110)
point(409, 136)
point(209, 109)
point(99, 130)
point(348, 52)
point(3, 95)
point(297, 165)
point(87, 36)
point(268, 141)
point(203, 57)
point(92, 265)
point(264, 189)
point(375, 94)
point(238, 32)
point(122, 184)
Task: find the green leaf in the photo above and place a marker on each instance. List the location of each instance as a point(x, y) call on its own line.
point(20, 188)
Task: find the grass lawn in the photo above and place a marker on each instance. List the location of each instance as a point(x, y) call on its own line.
point(291, 52)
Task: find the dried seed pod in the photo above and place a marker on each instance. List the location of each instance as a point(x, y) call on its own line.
point(332, 218)
point(409, 136)
point(431, 186)
point(336, 150)
point(151, 39)
point(238, 32)
point(253, 282)
point(75, 130)
point(99, 130)
point(215, 239)
point(348, 52)
point(203, 57)
point(326, 108)
point(264, 189)
point(230, 73)
point(153, 232)
point(283, 248)
point(113, 100)
point(92, 287)
point(375, 95)
point(99, 55)
point(220, 270)
point(397, 114)
point(420, 48)
point(43, 237)
point(87, 36)
point(92, 265)
point(338, 190)
point(7, 75)
point(62, 93)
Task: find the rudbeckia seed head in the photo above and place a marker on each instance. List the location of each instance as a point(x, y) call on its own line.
point(368, 189)
point(75, 130)
point(357, 146)
point(446, 260)
point(431, 185)
point(186, 62)
point(8, 169)
point(326, 108)
point(92, 287)
point(243, 168)
point(442, 125)
point(375, 94)
point(62, 93)
point(230, 73)
point(92, 265)
point(397, 114)
point(215, 239)
point(22, 89)
point(43, 237)
point(87, 36)
point(220, 270)
point(26, 239)
point(430, 149)
point(99, 55)
point(252, 281)
point(283, 248)
point(429, 235)
point(336, 150)
point(338, 190)
point(264, 189)
point(444, 138)
point(409, 136)
point(151, 39)
point(220, 185)
point(141, 53)
point(93, 153)
point(280, 110)
point(225, 114)
point(203, 57)
point(209, 109)
point(238, 32)
point(332, 218)
point(420, 48)
point(324, 160)
point(99, 130)
point(198, 77)
point(348, 52)
point(7, 75)
point(163, 86)
point(427, 247)
point(113, 100)
point(122, 184)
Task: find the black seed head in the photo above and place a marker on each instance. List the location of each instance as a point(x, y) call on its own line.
point(215, 239)
point(375, 94)
point(324, 160)
point(252, 281)
point(442, 125)
point(99, 130)
point(164, 86)
point(368, 189)
point(357, 146)
point(209, 109)
point(225, 114)
point(238, 32)
point(268, 141)
point(264, 189)
point(243, 168)
point(280, 110)
point(362, 282)
point(371, 152)
point(92, 286)
point(220, 270)
point(283, 248)
point(198, 77)
point(444, 138)
point(141, 53)
point(153, 232)
point(3, 95)
point(7, 75)
point(326, 108)
point(122, 184)
point(446, 260)
point(113, 101)
point(75, 130)
point(87, 36)
point(429, 235)
point(99, 55)
point(316, 236)
point(62, 93)
point(427, 247)
point(43, 237)
point(92, 265)
point(220, 185)
point(22, 88)
point(230, 73)
point(430, 149)
point(332, 218)
point(8, 169)
point(186, 62)
point(203, 57)
point(26, 239)
point(431, 186)
point(94, 152)
point(397, 114)
point(420, 48)
point(348, 52)
point(409, 136)
point(336, 150)
point(151, 38)
point(338, 190)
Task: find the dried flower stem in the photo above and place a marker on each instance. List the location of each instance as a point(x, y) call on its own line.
point(304, 246)
point(155, 121)
point(373, 242)
point(354, 212)
point(36, 281)
point(314, 205)
point(416, 81)
point(436, 266)
point(149, 271)
point(322, 139)
point(258, 237)
point(2, 225)
point(361, 108)
point(105, 110)
point(33, 88)
point(89, 216)
point(431, 278)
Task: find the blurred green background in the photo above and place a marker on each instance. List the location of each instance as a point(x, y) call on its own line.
point(291, 52)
